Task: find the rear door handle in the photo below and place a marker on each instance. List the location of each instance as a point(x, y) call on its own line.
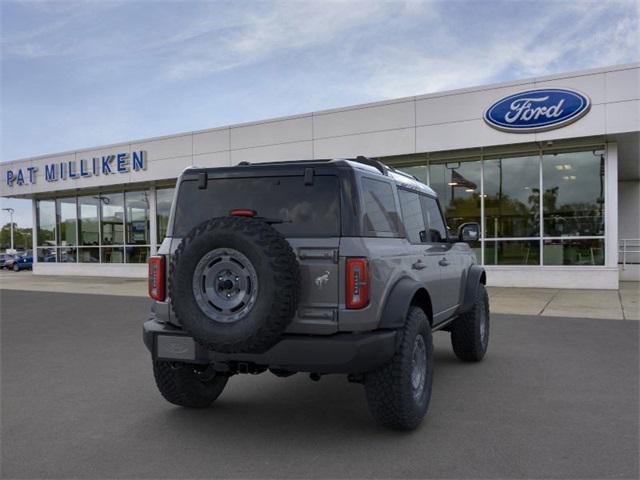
point(443, 262)
point(418, 265)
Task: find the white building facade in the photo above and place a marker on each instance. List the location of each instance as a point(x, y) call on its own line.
point(549, 166)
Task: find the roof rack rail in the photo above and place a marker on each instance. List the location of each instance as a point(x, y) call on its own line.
point(373, 162)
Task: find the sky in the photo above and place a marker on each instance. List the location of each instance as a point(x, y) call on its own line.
point(87, 73)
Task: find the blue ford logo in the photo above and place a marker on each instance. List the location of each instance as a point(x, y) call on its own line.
point(537, 110)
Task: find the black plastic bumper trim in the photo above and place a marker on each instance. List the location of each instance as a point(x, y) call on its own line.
point(338, 353)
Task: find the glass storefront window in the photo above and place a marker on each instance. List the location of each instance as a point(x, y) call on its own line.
point(46, 218)
point(67, 255)
point(164, 197)
point(512, 252)
point(88, 226)
point(46, 255)
point(573, 198)
point(512, 197)
point(137, 254)
point(137, 218)
point(574, 252)
point(112, 218)
point(67, 221)
point(112, 255)
point(89, 255)
point(458, 187)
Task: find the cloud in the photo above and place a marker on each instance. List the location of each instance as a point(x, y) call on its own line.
point(558, 39)
point(100, 72)
point(287, 26)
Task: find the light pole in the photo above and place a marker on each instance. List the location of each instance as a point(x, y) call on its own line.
point(11, 211)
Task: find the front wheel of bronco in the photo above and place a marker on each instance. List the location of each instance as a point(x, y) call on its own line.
point(186, 385)
point(398, 394)
point(470, 331)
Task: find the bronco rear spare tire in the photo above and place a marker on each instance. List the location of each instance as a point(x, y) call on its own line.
point(234, 284)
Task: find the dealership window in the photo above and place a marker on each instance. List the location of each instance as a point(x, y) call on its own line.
point(164, 197)
point(574, 251)
point(563, 226)
point(107, 228)
point(67, 223)
point(89, 255)
point(88, 222)
point(512, 197)
point(573, 194)
point(46, 218)
point(88, 229)
point(512, 252)
point(112, 218)
point(458, 187)
point(137, 226)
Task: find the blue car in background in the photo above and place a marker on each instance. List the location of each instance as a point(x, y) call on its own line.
point(23, 262)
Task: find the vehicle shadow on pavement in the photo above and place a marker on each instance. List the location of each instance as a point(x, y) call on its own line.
point(276, 404)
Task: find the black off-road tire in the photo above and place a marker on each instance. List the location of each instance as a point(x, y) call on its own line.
point(389, 390)
point(278, 287)
point(469, 338)
point(181, 385)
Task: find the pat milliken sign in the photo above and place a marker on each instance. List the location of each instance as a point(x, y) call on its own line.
point(537, 110)
point(115, 164)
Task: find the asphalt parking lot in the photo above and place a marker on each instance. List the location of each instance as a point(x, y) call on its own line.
point(555, 397)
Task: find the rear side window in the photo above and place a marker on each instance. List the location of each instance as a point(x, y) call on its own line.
point(413, 219)
point(380, 215)
point(433, 219)
point(306, 210)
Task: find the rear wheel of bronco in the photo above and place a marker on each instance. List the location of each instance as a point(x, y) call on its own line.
point(187, 385)
point(470, 332)
point(234, 284)
point(398, 394)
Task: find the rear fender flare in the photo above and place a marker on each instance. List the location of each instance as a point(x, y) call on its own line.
point(400, 298)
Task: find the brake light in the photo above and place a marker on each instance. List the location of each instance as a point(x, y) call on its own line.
point(243, 212)
point(156, 278)
point(357, 283)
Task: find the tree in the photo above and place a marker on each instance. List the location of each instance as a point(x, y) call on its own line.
point(21, 237)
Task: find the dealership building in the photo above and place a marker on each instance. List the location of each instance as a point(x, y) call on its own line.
point(549, 166)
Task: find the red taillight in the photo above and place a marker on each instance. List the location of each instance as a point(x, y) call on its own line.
point(156, 278)
point(357, 283)
point(243, 212)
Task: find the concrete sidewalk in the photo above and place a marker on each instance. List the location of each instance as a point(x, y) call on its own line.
point(623, 304)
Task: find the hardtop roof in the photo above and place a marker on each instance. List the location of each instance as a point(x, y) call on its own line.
point(369, 165)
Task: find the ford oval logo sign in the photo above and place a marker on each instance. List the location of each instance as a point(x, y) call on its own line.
point(537, 110)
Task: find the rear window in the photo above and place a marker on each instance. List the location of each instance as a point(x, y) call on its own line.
point(307, 210)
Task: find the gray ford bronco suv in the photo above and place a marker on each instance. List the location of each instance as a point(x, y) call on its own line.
point(322, 266)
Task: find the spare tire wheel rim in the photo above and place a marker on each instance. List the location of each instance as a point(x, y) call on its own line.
point(225, 285)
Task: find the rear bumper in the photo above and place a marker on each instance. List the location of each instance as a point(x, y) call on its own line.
point(339, 353)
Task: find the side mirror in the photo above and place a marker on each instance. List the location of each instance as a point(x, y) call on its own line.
point(469, 232)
